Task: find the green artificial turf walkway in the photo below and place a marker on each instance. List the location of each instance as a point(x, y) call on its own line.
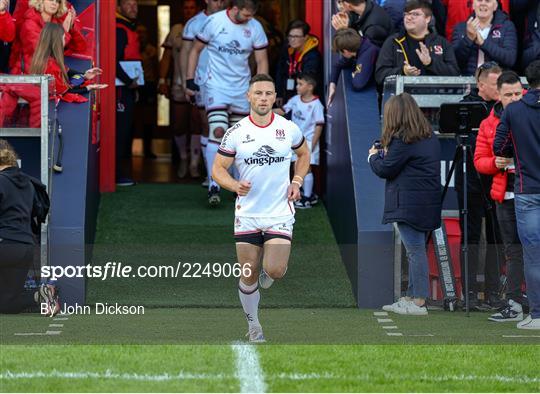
point(161, 225)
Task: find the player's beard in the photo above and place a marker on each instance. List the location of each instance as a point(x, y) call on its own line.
point(262, 112)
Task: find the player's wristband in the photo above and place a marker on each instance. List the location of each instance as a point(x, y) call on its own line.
point(298, 176)
point(191, 85)
point(298, 183)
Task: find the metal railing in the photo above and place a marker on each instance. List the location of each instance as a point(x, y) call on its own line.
point(45, 133)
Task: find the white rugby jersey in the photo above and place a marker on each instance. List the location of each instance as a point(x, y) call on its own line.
point(306, 115)
point(263, 157)
point(193, 26)
point(229, 46)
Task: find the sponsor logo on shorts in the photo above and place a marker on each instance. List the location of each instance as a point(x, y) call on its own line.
point(284, 227)
point(265, 155)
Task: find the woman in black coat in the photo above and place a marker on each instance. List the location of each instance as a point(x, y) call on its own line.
point(410, 162)
point(17, 241)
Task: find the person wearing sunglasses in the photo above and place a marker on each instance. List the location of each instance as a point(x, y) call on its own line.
point(418, 51)
point(488, 35)
point(480, 204)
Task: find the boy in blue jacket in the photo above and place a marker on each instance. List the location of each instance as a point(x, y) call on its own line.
point(357, 54)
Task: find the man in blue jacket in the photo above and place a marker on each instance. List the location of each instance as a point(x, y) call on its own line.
point(488, 35)
point(518, 136)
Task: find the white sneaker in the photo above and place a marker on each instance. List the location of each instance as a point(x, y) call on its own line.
point(264, 280)
point(396, 305)
point(410, 308)
point(512, 312)
point(255, 334)
point(529, 323)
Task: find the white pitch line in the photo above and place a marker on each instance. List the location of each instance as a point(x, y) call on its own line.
point(60, 318)
point(390, 327)
point(385, 320)
point(28, 334)
point(181, 375)
point(380, 313)
point(394, 334)
point(56, 325)
point(248, 368)
point(420, 335)
point(521, 336)
point(53, 332)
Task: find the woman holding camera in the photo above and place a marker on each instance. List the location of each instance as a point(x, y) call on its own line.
point(408, 158)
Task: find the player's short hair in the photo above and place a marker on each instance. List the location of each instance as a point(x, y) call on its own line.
point(419, 4)
point(487, 68)
point(298, 24)
point(532, 72)
point(508, 77)
point(348, 39)
point(308, 78)
point(261, 78)
point(252, 5)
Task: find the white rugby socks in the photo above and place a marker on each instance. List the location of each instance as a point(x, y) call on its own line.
point(211, 152)
point(308, 184)
point(249, 297)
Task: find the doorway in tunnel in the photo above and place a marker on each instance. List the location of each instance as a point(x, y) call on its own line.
point(154, 152)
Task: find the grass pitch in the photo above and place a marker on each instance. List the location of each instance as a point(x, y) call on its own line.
point(185, 341)
point(400, 368)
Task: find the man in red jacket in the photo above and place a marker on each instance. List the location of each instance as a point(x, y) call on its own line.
point(502, 192)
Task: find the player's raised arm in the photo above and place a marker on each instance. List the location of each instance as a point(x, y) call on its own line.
point(300, 170)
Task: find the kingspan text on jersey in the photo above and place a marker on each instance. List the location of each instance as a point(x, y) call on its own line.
point(261, 161)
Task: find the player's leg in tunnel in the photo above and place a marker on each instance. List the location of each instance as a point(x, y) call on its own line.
point(249, 256)
point(181, 114)
point(204, 137)
point(218, 123)
point(195, 142)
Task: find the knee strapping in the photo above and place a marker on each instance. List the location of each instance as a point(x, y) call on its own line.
point(218, 123)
